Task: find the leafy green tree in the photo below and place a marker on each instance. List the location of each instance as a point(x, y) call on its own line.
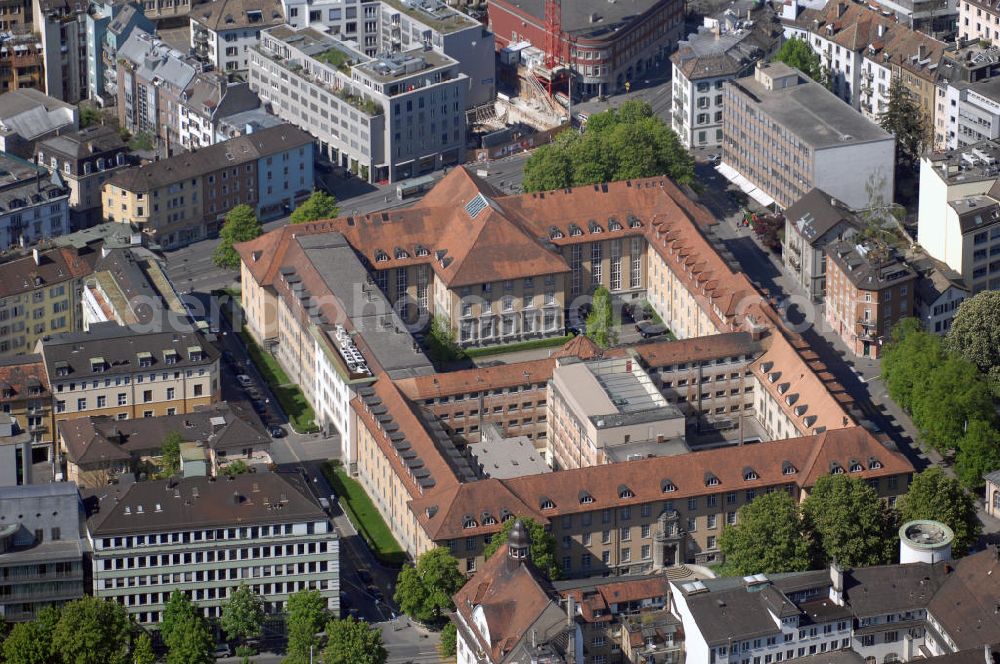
point(89, 116)
point(449, 640)
point(543, 546)
point(178, 609)
point(978, 453)
point(850, 522)
point(548, 168)
point(797, 53)
point(767, 538)
point(142, 650)
point(170, 454)
point(441, 341)
point(953, 394)
point(904, 119)
point(31, 642)
point(237, 467)
point(423, 591)
point(243, 615)
point(353, 642)
point(975, 334)
point(934, 495)
point(320, 205)
point(191, 641)
point(305, 616)
point(92, 631)
point(241, 225)
point(618, 144)
point(909, 360)
point(600, 321)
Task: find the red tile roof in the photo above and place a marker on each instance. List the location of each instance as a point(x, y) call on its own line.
point(19, 375)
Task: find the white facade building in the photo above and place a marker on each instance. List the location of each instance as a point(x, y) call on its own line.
point(224, 31)
point(34, 204)
point(264, 530)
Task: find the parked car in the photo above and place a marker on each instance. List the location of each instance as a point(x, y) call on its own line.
point(221, 651)
point(325, 504)
point(276, 432)
point(365, 577)
point(649, 328)
point(259, 406)
point(244, 380)
point(714, 159)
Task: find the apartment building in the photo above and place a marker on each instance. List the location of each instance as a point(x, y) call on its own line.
point(151, 78)
point(109, 24)
point(62, 29)
point(40, 295)
point(388, 117)
point(27, 116)
point(785, 134)
point(395, 26)
point(111, 370)
point(223, 32)
point(25, 396)
point(206, 537)
point(185, 198)
point(896, 613)
point(22, 59)
point(15, 16)
point(209, 100)
point(958, 215)
point(85, 160)
point(100, 449)
point(968, 110)
point(978, 20)
point(726, 47)
point(812, 223)
point(34, 203)
point(940, 291)
point(41, 554)
point(607, 46)
point(869, 289)
point(608, 410)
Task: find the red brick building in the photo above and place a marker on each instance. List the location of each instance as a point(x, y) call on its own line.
point(607, 44)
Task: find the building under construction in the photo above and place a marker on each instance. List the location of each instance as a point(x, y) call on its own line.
point(601, 45)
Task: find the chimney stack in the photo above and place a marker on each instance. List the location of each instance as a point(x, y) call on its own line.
point(836, 584)
point(841, 9)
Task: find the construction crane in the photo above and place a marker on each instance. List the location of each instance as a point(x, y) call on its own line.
point(553, 37)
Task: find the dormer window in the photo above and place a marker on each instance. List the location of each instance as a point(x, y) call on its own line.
point(873, 463)
point(468, 521)
point(666, 486)
point(546, 504)
point(614, 225)
point(633, 222)
point(195, 353)
point(145, 359)
point(787, 468)
point(749, 474)
point(422, 250)
point(8, 392)
point(595, 227)
point(855, 466)
point(505, 515)
point(97, 364)
point(625, 492)
point(575, 231)
point(836, 468)
point(170, 356)
point(62, 369)
point(586, 498)
point(381, 256)
point(711, 480)
point(555, 233)
point(401, 253)
point(488, 519)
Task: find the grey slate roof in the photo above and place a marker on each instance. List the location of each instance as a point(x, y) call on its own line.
point(201, 502)
point(236, 14)
point(857, 263)
point(29, 113)
point(817, 213)
point(119, 347)
point(95, 140)
point(239, 150)
point(221, 426)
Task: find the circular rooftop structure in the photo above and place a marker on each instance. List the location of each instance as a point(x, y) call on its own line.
point(925, 541)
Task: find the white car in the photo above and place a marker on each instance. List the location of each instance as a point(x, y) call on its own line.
point(244, 380)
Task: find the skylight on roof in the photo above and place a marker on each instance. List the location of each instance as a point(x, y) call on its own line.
point(476, 205)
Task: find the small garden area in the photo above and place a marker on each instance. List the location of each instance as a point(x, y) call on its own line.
point(364, 515)
point(549, 342)
point(293, 402)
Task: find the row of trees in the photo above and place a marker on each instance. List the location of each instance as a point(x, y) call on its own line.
point(99, 631)
point(242, 225)
point(947, 396)
point(842, 519)
point(619, 144)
